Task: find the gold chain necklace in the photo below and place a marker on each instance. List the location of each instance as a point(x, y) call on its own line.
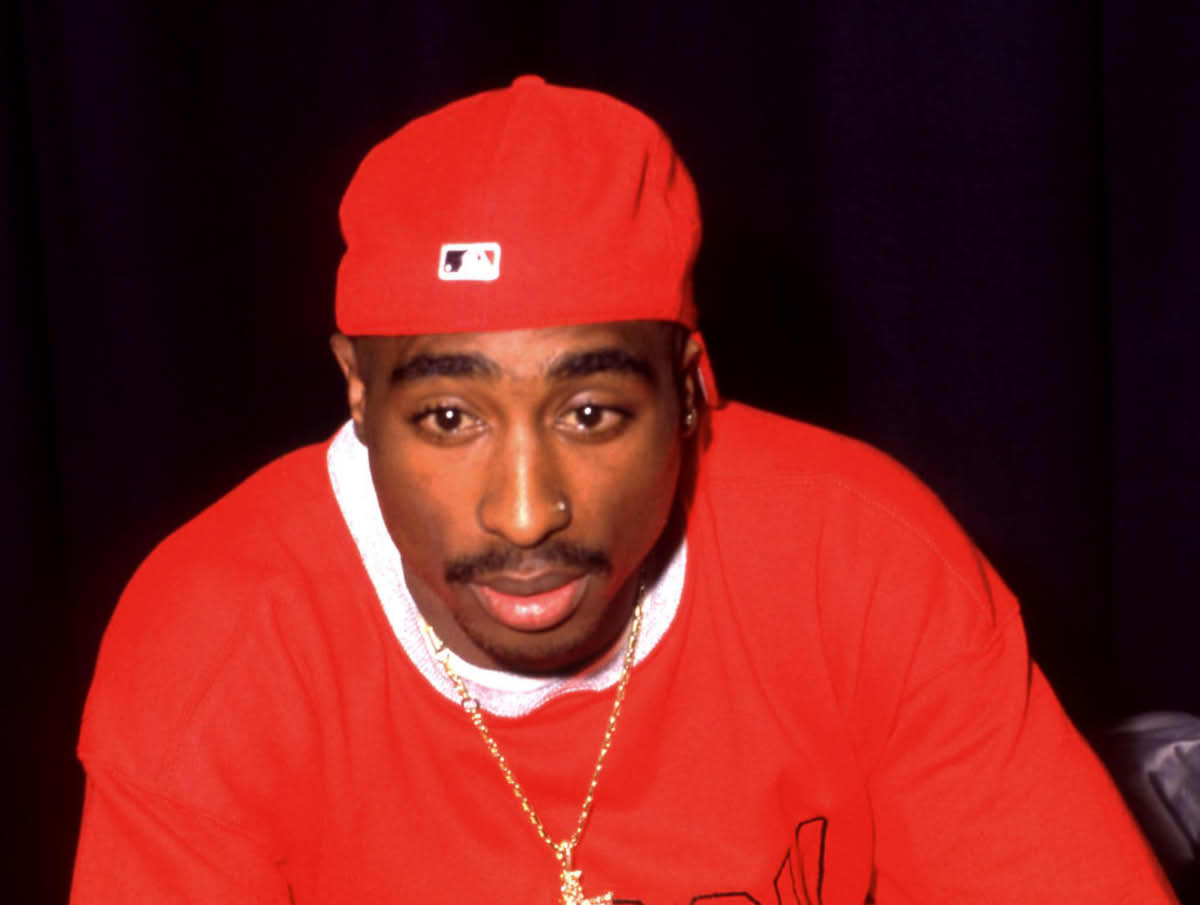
point(569, 883)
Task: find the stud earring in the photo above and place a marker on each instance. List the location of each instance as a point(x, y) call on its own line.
point(689, 419)
point(561, 506)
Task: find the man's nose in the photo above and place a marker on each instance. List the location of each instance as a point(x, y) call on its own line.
point(524, 501)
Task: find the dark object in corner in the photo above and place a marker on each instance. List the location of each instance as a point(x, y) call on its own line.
point(1155, 760)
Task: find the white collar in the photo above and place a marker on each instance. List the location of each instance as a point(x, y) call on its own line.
point(502, 693)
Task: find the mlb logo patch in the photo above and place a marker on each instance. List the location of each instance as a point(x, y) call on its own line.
point(469, 261)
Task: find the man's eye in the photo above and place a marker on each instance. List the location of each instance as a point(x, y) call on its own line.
point(444, 419)
point(589, 418)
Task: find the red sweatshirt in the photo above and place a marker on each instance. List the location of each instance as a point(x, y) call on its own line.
point(841, 708)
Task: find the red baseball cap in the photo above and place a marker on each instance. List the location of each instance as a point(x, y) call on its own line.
point(528, 206)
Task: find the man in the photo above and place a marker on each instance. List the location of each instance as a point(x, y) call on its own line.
point(546, 622)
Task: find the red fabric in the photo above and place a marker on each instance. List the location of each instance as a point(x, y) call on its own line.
point(844, 704)
point(595, 215)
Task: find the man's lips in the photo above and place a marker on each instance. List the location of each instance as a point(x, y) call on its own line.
point(531, 604)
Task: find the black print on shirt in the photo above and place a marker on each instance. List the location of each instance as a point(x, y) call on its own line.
point(798, 880)
point(803, 870)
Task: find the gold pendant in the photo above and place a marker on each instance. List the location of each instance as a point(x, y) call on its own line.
point(572, 891)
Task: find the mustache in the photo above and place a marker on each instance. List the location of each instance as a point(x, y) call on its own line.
point(466, 569)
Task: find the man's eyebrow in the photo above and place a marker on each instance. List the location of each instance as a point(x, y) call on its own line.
point(456, 365)
point(596, 361)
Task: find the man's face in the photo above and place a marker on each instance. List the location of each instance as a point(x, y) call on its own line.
point(524, 477)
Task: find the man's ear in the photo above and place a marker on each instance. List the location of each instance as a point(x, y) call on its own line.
point(689, 395)
point(352, 366)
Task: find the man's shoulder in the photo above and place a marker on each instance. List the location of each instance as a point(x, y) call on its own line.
point(274, 498)
point(847, 547)
point(762, 452)
point(235, 577)
point(786, 492)
point(249, 533)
